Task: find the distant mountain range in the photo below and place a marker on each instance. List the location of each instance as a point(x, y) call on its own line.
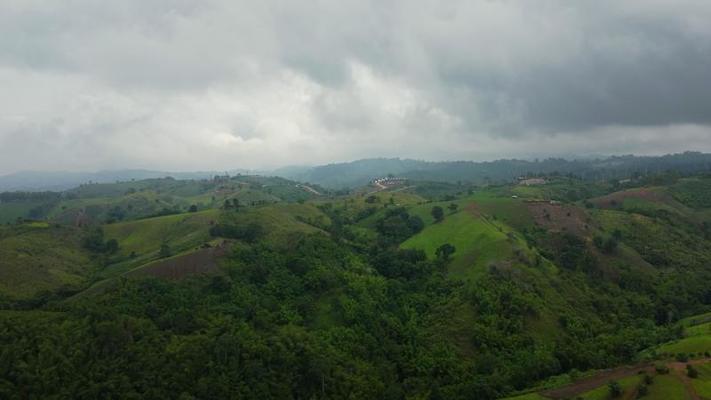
point(360, 172)
point(357, 173)
point(63, 180)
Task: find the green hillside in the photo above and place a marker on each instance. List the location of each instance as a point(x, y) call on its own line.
point(38, 257)
point(478, 242)
point(552, 290)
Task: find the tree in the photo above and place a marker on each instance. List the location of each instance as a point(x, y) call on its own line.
point(111, 246)
point(193, 208)
point(444, 251)
point(642, 390)
point(165, 251)
point(453, 207)
point(437, 213)
point(615, 389)
point(94, 241)
point(691, 372)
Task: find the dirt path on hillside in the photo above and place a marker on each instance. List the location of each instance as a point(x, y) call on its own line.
point(679, 369)
point(590, 383)
point(309, 189)
point(602, 378)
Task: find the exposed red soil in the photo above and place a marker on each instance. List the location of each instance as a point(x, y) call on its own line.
point(473, 209)
point(616, 199)
point(590, 383)
point(203, 261)
point(602, 378)
point(559, 217)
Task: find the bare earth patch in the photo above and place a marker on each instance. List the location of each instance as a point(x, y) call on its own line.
point(203, 261)
point(559, 217)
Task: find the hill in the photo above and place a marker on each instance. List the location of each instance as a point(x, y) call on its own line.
point(294, 291)
point(358, 173)
point(38, 258)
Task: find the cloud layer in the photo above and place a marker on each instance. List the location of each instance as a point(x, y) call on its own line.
point(221, 84)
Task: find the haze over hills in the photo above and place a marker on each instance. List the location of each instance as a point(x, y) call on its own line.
point(458, 280)
point(361, 172)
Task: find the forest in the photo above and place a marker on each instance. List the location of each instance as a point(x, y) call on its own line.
point(256, 288)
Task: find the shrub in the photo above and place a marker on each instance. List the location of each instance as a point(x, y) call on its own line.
point(615, 389)
point(642, 390)
point(661, 368)
point(691, 372)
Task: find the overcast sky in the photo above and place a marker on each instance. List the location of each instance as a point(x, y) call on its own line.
point(223, 84)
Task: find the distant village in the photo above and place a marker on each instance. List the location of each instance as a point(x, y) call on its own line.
point(388, 182)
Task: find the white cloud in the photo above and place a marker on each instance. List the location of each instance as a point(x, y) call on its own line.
point(175, 84)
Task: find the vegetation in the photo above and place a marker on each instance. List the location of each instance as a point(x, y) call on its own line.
point(252, 287)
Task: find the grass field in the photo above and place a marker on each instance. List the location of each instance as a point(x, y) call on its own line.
point(603, 392)
point(693, 344)
point(478, 242)
point(37, 257)
point(667, 387)
point(11, 211)
point(696, 319)
point(146, 236)
point(702, 384)
point(698, 330)
point(140, 241)
point(282, 220)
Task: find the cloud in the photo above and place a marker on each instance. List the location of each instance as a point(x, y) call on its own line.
point(175, 84)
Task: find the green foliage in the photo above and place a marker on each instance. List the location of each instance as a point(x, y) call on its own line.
point(437, 213)
point(250, 232)
point(165, 251)
point(315, 299)
point(691, 372)
point(445, 251)
point(398, 225)
point(615, 389)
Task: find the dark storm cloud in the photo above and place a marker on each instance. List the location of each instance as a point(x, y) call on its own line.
point(222, 84)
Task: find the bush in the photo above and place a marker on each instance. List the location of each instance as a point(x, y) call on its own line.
point(437, 213)
point(250, 233)
point(661, 369)
point(642, 390)
point(682, 357)
point(615, 389)
point(691, 372)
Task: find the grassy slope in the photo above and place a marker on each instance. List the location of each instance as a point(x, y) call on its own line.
point(667, 387)
point(702, 384)
point(693, 344)
point(282, 220)
point(478, 242)
point(697, 338)
point(603, 392)
point(146, 235)
point(36, 257)
point(11, 211)
point(481, 230)
point(181, 232)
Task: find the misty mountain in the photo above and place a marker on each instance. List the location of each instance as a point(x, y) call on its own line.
point(357, 173)
point(58, 180)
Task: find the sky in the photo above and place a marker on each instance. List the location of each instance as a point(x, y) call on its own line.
point(223, 84)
